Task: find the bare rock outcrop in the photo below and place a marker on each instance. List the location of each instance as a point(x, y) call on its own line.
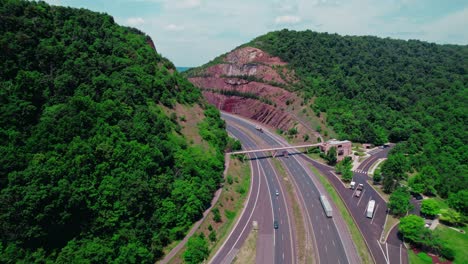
point(251, 83)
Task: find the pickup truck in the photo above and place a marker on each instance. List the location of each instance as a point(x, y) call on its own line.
point(359, 189)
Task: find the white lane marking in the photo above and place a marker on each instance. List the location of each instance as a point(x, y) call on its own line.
point(243, 211)
point(383, 253)
point(362, 195)
point(388, 256)
point(326, 249)
point(400, 253)
point(333, 242)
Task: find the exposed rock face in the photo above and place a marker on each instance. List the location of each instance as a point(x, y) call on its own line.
point(249, 83)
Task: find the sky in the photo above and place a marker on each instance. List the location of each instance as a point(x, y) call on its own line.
point(193, 32)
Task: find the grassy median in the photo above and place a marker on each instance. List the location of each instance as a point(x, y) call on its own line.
point(298, 218)
point(355, 233)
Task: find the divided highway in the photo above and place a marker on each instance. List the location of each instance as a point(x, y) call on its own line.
point(263, 206)
point(333, 243)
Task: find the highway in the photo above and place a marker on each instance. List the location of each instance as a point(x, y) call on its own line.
point(391, 251)
point(333, 243)
point(263, 206)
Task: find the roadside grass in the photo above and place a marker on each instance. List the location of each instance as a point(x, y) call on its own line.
point(298, 218)
point(316, 157)
point(356, 235)
point(417, 259)
point(247, 252)
point(455, 240)
point(230, 204)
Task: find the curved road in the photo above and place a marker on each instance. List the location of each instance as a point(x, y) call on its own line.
point(330, 234)
point(263, 206)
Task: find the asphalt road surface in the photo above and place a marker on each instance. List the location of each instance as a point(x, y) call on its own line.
point(263, 206)
point(329, 242)
point(393, 250)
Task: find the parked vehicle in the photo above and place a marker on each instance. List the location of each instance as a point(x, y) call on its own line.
point(370, 209)
point(359, 190)
point(353, 185)
point(326, 206)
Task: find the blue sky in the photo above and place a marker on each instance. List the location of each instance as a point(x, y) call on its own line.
point(192, 32)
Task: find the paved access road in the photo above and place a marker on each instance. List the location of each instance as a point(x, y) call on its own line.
point(393, 250)
point(330, 234)
point(263, 206)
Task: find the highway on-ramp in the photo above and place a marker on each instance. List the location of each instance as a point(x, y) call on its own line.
point(333, 242)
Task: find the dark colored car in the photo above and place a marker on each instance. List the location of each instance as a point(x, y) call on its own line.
point(417, 196)
point(275, 224)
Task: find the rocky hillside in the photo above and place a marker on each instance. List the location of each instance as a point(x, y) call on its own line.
point(250, 82)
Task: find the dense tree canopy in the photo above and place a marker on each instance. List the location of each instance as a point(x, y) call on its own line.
point(91, 167)
point(377, 90)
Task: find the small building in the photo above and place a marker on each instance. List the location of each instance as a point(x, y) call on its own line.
point(343, 148)
point(367, 146)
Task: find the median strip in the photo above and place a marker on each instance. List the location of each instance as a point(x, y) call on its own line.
point(356, 235)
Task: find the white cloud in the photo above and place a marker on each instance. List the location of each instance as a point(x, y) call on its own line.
point(174, 27)
point(448, 29)
point(288, 19)
point(135, 21)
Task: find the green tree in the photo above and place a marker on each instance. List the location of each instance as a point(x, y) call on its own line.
point(459, 201)
point(411, 227)
point(197, 249)
point(430, 207)
point(331, 156)
point(393, 171)
point(377, 177)
point(450, 217)
point(399, 202)
point(425, 181)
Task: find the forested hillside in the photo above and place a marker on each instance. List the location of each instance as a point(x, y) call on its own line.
point(92, 169)
point(378, 90)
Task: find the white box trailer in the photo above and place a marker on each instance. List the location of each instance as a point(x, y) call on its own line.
point(370, 209)
point(326, 206)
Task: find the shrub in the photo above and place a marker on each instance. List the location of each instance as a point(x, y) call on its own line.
point(212, 236)
point(229, 179)
point(216, 215)
point(424, 257)
point(447, 253)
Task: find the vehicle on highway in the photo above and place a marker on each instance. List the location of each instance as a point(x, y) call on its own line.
point(277, 193)
point(326, 206)
point(370, 209)
point(259, 128)
point(275, 224)
point(359, 190)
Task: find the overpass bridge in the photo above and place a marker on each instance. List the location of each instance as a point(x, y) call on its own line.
point(275, 150)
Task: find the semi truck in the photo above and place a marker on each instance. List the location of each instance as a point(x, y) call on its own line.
point(370, 209)
point(326, 206)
